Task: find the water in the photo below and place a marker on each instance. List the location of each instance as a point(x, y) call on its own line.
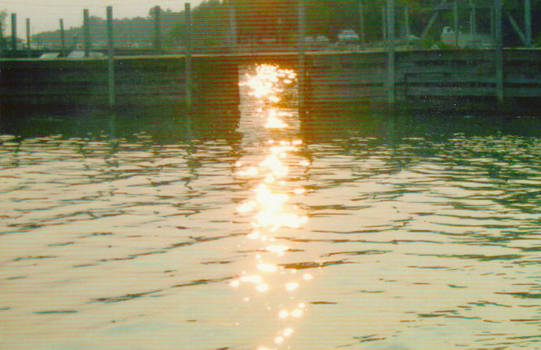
point(354, 231)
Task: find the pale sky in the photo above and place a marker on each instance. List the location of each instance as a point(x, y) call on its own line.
point(45, 14)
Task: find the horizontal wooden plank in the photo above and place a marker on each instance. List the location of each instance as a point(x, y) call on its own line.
point(447, 79)
point(534, 92)
point(449, 91)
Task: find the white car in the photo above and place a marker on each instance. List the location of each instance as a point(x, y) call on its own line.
point(49, 55)
point(81, 54)
point(348, 35)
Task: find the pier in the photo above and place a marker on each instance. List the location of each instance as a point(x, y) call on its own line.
point(383, 74)
point(420, 76)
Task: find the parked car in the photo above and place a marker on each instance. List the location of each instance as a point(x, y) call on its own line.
point(49, 55)
point(81, 54)
point(348, 35)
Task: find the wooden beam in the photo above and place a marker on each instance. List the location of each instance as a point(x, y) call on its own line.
point(517, 29)
point(432, 19)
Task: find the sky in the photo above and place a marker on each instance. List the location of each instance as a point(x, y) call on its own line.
point(45, 14)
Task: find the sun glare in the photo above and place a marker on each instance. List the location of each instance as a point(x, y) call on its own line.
point(270, 206)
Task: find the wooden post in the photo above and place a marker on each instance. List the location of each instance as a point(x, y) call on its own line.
point(361, 21)
point(499, 50)
point(390, 52)
point(110, 60)
point(28, 49)
point(406, 21)
point(528, 22)
point(157, 30)
point(301, 78)
point(384, 22)
point(188, 59)
point(14, 32)
point(86, 28)
point(473, 19)
point(232, 26)
point(62, 38)
point(1, 39)
point(492, 23)
point(455, 22)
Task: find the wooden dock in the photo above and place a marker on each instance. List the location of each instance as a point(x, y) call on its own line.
point(330, 78)
point(423, 78)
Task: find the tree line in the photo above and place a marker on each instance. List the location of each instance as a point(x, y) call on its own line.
point(259, 21)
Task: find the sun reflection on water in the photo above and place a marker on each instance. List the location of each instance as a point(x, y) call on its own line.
point(270, 209)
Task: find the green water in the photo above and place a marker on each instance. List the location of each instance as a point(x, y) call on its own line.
point(146, 230)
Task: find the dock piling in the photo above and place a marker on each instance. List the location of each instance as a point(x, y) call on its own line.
point(110, 60)
point(361, 21)
point(62, 38)
point(28, 49)
point(406, 21)
point(301, 78)
point(232, 26)
point(391, 76)
point(188, 59)
point(455, 22)
point(86, 28)
point(157, 29)
point(528, 22)
point(473, 18)
point(14, 32)
point(499, 49)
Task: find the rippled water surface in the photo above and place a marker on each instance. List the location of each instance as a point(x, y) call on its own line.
point(259, 231)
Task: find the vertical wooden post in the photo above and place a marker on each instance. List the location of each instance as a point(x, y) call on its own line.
point(361, 21)
point(492, 23)
point(499, 50)
point(232, 26)
point(62, 38)
point(528, 22)
point(384, 22)
point(455, 22)
point(110, 60)
point(14, 32)
point(28, 49)
point(86, 28)
point(473, 19)
point(390, 52)
point(188, 59)
point(157, 29)
point(301, 79)
point(406, 21)
point(1, 40)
